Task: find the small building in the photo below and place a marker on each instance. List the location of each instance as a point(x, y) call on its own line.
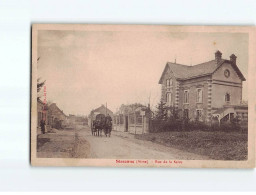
point(135, 121)
point(56, 117)
point(203, 91)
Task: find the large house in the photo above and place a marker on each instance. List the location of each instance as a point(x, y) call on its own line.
point(205, 91)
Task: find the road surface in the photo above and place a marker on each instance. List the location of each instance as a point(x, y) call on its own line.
point(80, 143)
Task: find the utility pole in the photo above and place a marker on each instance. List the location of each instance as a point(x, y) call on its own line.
point(106, 108)
point(149, 99)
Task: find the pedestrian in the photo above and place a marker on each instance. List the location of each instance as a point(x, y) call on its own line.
point(42, 124)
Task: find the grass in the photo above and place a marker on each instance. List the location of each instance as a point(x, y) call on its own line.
point(216, 145)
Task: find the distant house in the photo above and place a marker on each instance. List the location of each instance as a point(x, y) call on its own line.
point(73, 119)
point(56, 116)
point(42, 112)
point(100, 110)
point(203, 91)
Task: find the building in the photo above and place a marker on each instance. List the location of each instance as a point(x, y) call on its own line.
point(56, 117)
point(100, 110)
point(203, 91)
point(42, 112)
point(80, 120)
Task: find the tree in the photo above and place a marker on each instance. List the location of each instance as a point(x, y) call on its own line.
point(161, 112)
point(39, 84)
point(172, 112)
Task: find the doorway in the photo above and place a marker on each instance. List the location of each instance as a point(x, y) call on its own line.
point(126, 123)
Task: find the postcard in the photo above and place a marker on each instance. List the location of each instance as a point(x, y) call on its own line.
point(143, 96)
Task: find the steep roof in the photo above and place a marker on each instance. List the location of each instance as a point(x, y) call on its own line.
point(54, 105)
point(184, 72)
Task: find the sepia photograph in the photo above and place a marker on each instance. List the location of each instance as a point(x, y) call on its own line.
point(141, 96)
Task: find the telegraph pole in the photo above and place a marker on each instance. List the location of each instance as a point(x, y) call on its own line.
point(106, 108)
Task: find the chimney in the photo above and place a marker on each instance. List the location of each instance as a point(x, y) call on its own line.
point(218, 55)
point(233, 59)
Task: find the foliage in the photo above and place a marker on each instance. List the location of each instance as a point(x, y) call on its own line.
point(167, 119)
point(161, 113)
point(40, 84)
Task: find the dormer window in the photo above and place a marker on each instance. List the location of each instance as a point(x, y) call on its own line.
point(227, 97)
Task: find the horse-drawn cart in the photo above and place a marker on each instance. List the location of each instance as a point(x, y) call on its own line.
point(101, 122)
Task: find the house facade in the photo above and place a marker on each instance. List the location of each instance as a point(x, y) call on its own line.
point(203, 91)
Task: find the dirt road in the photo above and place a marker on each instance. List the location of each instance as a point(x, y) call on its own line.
point(80, 143)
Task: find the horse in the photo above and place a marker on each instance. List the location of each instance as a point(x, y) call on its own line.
point(108, 126)
point(98, 125)
point(93, 128)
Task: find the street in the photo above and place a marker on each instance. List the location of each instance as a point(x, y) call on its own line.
point(79, 143)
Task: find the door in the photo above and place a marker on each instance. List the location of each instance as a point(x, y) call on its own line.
point(126, 123)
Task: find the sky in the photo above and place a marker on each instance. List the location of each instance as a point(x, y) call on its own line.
point(85, 69)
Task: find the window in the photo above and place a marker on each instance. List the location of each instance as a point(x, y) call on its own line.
point(121, 119)
point(131, 118)
point(226, 73)
point(169, 82)
point(117, 119)
point(138, 118)
point(199, 115)
point(185, 113)
point(227, 97)
point(186, 96)
point(199, 96)
point(169, 98)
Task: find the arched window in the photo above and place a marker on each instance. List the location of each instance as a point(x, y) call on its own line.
point(227, 97)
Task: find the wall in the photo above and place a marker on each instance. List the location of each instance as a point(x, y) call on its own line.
point(55, 114)
point(134, 128)
point(172, 89)
point(222, 85)
point(192, 85)
point(41, 113)
point(218, 95)
point(117, 126)
point(219, 74)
